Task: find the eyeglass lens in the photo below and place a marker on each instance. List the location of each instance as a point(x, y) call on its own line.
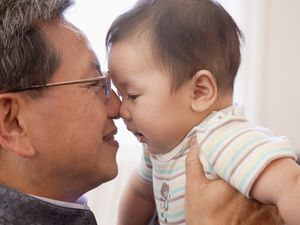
point(106, 86)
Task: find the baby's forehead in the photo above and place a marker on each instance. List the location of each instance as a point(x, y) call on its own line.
point(123, 80)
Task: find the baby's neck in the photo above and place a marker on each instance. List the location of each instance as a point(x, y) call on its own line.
point(223, 102)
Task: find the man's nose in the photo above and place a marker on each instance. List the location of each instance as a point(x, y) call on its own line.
point(113, 106)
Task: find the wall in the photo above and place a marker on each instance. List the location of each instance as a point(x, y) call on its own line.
point(280, 108)
point(269, 79)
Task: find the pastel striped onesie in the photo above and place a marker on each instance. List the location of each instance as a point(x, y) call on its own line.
point(231, 148)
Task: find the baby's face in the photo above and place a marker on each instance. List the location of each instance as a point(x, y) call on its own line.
point(152, 112)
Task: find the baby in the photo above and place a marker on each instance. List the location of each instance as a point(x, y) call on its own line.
point(174, 64)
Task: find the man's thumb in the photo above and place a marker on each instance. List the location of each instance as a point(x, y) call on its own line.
point(194, 171)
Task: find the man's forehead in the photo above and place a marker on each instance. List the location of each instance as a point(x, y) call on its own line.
point(58, 26)
point(73, 47)
point(71, 27)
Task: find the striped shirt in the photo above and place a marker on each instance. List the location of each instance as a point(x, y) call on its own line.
point(231, 148)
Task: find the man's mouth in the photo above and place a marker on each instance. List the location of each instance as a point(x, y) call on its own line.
point(110, 136)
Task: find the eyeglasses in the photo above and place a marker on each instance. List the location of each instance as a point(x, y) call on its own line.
point(104, 84)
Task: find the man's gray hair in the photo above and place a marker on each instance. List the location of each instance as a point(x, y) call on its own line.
point(26, 57)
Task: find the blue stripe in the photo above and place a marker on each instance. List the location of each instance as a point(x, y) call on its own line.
point(179, 168)
point(176, 214)
point(237, 156)
point(281, 151)
point(214, 148)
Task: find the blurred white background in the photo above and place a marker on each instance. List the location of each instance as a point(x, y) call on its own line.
point(268, 82)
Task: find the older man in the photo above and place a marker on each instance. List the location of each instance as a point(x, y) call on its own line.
point(56, 127)
point(56, 119)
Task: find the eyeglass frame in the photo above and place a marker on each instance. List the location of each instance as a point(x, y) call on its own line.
point(105, 77)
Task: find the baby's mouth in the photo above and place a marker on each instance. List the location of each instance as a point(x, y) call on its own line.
point(141, 138)
point(137, 134)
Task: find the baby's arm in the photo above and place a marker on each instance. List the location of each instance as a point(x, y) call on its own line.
point(279, 184)
point(137, 202)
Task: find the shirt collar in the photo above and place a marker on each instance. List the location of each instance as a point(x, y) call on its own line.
point(81, 202)
point(215, 116)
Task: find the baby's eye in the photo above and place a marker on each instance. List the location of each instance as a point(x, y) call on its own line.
point(132, 97)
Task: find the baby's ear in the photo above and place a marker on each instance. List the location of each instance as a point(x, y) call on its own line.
point(13, 129)
point(205, 90)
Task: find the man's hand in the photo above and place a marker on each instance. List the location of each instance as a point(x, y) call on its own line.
point(217, 203)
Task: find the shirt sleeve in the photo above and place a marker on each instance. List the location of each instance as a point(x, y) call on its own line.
point(243, 159)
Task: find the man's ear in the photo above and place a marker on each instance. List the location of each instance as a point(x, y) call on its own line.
point(13, 130)
point(205, 90)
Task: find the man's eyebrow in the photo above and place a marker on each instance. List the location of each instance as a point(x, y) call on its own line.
point(96, 65)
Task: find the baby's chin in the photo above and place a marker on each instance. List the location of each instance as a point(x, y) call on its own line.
point(156, 150)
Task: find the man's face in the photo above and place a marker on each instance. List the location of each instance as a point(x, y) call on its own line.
point(71, 126)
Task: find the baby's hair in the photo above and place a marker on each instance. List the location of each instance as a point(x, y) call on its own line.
point(185, 36)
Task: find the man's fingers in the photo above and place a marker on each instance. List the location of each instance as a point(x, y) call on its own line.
point(196, 183)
